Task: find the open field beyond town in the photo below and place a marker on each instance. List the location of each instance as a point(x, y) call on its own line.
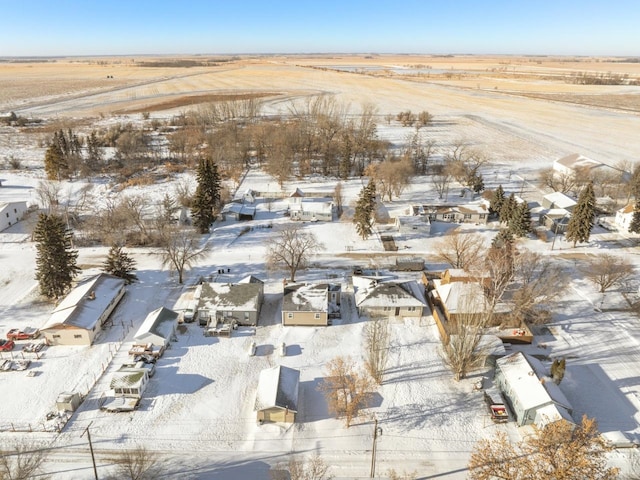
point(197, 413)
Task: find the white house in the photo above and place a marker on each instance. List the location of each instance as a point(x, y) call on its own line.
point(78, 317)
point(576, 163)
point(11, 213)
point(130, 382)
point(531, 394)
point(158, 328)
point(557, 200)
point(311, 209)
point(388, 299)
point(624, 216)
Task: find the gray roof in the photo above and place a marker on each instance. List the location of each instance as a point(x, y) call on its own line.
point(278, 387)
point(160, 322)
point(241, 297)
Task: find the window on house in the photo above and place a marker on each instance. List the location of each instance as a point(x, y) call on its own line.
point(289, 315)
point(386, 309)
point(7, 214)
point(56, 336)
point(15, 210)
point(317, 316)
point(246, 315)
point(467, 216)
point(77, 336)
point(411, 309)
point(482, 216)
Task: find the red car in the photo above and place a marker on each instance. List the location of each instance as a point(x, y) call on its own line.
point(6, 345)
point(26, 334)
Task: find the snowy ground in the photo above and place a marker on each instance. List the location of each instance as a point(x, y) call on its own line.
point(198, 410)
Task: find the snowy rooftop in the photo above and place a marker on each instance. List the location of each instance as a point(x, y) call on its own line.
point(128, 377)
point(231, 296)
point(369, 293)
point(460, 297)
point(278, 387)
point(84, 304)
point(560, 200)
point(160, 322)
point(305, 298)
point(528, 381)
point(576, 160)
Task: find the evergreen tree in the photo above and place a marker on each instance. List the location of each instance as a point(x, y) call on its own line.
point(207, 195)
point(54, 162)
point(520, 223)
point(582, 217)
point(477, 183)
point(497, 199)
point(507, 209)
point(634, 226)
point(365, 209)
point(55, 260)
point(120, 264)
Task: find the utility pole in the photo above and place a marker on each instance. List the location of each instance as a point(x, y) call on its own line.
point(377, 432)
point(93, 458)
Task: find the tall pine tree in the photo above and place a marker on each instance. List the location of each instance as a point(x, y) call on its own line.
point(56, 260)
point(55, 165)
point(582, 217)
point(497, 199)
point(520, 223)
point(365, 209)
point(634, 226)
point(508, 208)
point(120, 264)
point(207, 195)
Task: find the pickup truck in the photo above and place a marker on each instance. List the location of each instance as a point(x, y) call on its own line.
point(25, 334)
point(497, 409)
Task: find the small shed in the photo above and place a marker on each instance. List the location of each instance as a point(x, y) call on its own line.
point(158, 328)
point(68, 401)
point(277, 395)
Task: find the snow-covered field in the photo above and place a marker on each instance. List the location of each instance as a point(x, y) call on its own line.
point(197, 413)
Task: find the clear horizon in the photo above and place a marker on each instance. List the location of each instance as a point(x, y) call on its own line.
point(251, 27)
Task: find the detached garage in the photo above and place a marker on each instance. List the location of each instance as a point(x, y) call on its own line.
point(277, 396)
point(158, 328)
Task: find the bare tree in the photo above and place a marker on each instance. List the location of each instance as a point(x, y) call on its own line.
point(606, 270)
point(559, 451)
point(376, 338)
point(441, 181)
point(292, 248)
point(23, 461)
point(463, 352)
point(391, 176)
point(557, 181)
point(460, 250)
point(537, 283)
point(313, 468)
point(346, 389)
point(48, 194)
point(180, 249)
point(137, 464)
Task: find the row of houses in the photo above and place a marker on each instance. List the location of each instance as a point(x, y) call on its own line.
point(78, 318)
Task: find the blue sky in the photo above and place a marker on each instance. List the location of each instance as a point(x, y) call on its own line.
point(121, 27)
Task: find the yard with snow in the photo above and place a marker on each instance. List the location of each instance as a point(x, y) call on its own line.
point(197, 413)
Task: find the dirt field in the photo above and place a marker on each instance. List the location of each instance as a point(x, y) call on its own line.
point(520, 109)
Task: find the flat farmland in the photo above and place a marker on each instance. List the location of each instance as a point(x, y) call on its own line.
point(537, 119)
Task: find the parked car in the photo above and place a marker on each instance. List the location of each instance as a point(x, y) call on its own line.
point(33, 347)
point(25, 334)
point(6, 345)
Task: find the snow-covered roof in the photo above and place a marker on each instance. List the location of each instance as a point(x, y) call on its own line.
point(160, 322)
point(460, 297)
point(297, 193)
point(4, 205)
point(239, 209)
point(552, 413)
point(527, 379)
point(388, 294)
point(305, 298)
point(84, 305)
point(312, 207)
point(251, 279)
point(128, 377)
point(242, 297)
point(278, 387)
point(626, 209)
point(560, 200)
point(576, 161)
